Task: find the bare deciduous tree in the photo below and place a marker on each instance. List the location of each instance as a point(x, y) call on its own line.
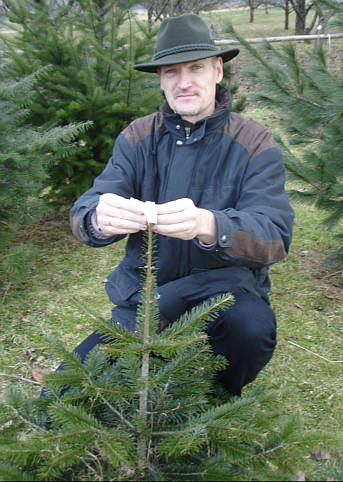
point(285, 5)
point(302, 9)
point(160, 9)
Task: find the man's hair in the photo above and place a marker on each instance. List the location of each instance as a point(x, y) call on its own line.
point(214, 60)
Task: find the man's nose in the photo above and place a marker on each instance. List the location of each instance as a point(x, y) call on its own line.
point(185, 80)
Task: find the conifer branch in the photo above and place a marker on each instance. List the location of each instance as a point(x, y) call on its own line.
point(301, 98)
point(178, 475)
point(299, 175)
point(268, 452)
point(155, 346)
point(21, 379)
point(122, 419)
point(28, 422)
point(206, 310)
point(98, 463)
point(174, 409)
point(237, 430)
point(89, 467)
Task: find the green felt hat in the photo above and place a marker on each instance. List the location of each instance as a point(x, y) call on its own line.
point(184, 39)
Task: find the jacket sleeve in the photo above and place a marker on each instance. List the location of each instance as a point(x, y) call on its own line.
point(258, 228)
point(118, 177)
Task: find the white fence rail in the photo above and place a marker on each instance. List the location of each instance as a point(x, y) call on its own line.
point(288, 38)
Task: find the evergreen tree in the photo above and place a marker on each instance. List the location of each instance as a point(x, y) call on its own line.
point(26, 154)
point(90, 46)
point(306, 91)
point(229, 81)
point(144, 407)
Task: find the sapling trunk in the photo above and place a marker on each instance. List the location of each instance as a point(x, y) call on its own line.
point(143, 396)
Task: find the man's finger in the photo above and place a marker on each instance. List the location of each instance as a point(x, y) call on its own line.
point(104, 212)
point(119, 202)
point(173, 218)
point(182, 230)
point(114, 226)
point(175, 206)
point(167, 229)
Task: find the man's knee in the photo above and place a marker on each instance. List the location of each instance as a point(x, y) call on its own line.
point(245, 334)
point(245, 329)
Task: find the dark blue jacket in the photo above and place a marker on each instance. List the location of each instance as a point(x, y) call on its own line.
point(230, 165)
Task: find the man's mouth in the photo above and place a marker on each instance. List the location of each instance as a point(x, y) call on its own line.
point(186, 96)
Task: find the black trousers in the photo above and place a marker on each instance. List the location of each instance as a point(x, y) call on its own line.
point(245, 334)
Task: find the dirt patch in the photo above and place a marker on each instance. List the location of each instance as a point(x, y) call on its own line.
point(52, 231)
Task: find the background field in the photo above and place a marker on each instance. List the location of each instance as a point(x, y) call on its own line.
point(306, 370)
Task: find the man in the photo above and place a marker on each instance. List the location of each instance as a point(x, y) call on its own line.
point(223, 215)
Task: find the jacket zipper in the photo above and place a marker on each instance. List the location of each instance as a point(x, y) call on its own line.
point(188, 132)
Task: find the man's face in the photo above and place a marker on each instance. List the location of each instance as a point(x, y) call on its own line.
point(190, 87)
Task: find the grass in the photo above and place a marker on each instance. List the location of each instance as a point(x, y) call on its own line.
point(265, 25)
point(306, 296)
point(306, 370)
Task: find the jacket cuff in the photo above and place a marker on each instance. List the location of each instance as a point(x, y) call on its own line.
point(94, 239)
point(92, 226)
point(208, 248)
point(224, 234)
point(224, 230)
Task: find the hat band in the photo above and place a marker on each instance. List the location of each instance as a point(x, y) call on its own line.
point(184, 48)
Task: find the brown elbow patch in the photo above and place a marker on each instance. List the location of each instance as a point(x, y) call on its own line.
point(247, 246)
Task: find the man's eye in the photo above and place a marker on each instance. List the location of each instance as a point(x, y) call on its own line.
point(197, 67)
point(170, 71)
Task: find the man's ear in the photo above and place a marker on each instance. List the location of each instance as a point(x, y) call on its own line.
point(219, 69)
point(158, 71)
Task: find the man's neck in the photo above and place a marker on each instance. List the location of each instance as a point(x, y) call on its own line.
point(187, 123)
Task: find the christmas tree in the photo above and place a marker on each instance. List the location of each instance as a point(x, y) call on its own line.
point(146, 407)
point(89, 47)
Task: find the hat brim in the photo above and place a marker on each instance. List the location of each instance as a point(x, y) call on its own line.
point(184, 57)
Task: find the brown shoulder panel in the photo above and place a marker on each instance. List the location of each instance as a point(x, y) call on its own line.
point(143, 127)
point(254, 137)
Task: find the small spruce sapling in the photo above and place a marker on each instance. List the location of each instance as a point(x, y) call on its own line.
point(144, 407)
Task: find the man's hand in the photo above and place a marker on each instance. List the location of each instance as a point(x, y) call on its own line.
point(182, 219)
point(118, 215)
